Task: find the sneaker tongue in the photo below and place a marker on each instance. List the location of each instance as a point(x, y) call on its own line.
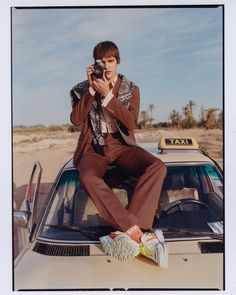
point(134, 233)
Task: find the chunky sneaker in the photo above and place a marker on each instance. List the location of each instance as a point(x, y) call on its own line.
point(154, 247)
point(120, 246)
point(106, 242)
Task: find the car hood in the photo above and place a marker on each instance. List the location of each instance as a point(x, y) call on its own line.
point(188, 268)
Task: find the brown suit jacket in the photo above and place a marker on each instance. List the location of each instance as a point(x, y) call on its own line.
point(126, 118)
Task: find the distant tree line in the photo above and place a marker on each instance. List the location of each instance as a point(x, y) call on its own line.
point(209, 118)
point(42, 128)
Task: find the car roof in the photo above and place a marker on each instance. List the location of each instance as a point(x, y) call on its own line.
point(168, 156)
point(176, 156)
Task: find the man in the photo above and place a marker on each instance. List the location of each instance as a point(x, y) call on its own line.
point(108, 108)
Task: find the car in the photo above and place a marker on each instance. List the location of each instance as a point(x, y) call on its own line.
point(60, 248)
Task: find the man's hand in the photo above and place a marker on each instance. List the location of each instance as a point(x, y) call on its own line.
point(102, 86)
point(89, 72)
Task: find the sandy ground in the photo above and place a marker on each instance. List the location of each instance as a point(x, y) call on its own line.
point(53, 149)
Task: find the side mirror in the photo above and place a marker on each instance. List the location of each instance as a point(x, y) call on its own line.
point(21, 218)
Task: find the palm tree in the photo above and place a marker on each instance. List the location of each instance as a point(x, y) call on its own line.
point(185, 111)
point(189, 121)
point(211, 121)
point(151, 108)
point(175, 118)
point(190, 105)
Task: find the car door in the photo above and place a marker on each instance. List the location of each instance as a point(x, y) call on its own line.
point(25, 219)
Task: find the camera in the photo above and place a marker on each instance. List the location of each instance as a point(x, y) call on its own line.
point(98, 69)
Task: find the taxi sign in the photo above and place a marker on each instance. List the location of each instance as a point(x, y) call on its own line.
point(178, 143)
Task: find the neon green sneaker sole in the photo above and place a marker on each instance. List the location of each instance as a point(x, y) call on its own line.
point(155, 248)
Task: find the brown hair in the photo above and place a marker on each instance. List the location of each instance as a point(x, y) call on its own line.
point(106, 49)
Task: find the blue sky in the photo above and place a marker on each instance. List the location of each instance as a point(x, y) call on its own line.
point(172, 54)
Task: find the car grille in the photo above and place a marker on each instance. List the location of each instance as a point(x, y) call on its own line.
point(211, 247)
point(62, 250)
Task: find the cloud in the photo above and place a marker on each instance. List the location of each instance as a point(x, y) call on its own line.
point(52, 47)
point(158, 30)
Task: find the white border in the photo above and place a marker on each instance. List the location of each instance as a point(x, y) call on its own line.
point(5, 130)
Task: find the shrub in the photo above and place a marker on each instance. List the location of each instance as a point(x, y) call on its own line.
point(55, 128)
point(73, 128)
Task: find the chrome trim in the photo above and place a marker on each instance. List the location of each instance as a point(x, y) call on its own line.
point(64, 168)
point(188, 239)
point(182, 163)
point(61, 242)
point(34, 200)
point(50, 241)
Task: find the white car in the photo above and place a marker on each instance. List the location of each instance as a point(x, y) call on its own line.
point(60, 249)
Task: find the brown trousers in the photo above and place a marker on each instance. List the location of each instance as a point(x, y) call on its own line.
point(143, 204)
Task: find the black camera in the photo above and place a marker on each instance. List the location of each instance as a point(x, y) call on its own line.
point(98, 69)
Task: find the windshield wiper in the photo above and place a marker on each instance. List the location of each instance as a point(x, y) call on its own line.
point(192, 232)
point(89, 233)
point(92, 232)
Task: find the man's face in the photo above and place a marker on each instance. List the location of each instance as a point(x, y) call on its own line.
point(110, 67)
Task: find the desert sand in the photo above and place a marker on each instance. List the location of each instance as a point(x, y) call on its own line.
point(53, 149)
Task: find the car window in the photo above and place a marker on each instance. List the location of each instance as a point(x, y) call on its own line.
point(63, 199)
point(190, 197)
point(71, 214)
point(215, 178)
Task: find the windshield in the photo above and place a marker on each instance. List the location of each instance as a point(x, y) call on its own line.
point(191, 199)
